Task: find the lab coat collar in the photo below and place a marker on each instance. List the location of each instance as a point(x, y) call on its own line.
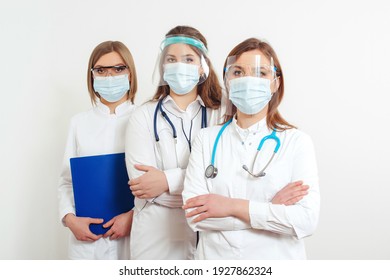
point(192, 108)
point(120, 110)
point(255, 128)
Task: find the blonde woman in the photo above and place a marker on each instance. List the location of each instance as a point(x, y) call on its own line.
point(112, 85)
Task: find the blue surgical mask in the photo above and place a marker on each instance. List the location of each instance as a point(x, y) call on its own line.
point(112, 88)
point(181, 77)
point(250, 94)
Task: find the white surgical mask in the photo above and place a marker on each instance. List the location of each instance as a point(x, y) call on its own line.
point(181, 77)
point(112, 88)
point(250, 94)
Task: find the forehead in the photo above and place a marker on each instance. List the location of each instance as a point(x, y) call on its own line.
point(180, 49)
point(110, 59)
point(249, 57)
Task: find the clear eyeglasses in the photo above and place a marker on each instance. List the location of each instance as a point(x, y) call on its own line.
point(103, 71)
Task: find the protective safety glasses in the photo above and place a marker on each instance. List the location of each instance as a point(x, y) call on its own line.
point(104, 71)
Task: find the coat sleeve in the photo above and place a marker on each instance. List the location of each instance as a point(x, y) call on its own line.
point(196, 184)
point(301, 219)
point(65, 188)
point(140, 149)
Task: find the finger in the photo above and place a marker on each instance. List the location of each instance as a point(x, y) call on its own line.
point(193, 203)
point(135, 187)
point(297, 183)
point(134, 181)
point(95, 221)
point(114, 236)
point(197, 199)
point(293, 200)
point(145, 196)
point(138, 193)
point(196, 211)
point(109, 223)
point(200, 218)
point(108, 233)
point(141, 167)
point(93, 237)
point(305, 187)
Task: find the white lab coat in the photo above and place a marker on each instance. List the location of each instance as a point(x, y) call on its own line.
point(274, 231)
point(94, 132)
point(160, 229)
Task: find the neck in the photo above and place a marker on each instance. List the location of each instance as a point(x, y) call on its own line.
point(245, 121)
point(182, 101)
point(112, 105)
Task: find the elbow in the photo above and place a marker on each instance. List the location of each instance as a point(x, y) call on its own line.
point(308, 225)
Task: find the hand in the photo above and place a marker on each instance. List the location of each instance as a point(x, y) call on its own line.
point(120, 225)
point(208, 206)
point(291, 194)
point(80, 227)
point(149, 185)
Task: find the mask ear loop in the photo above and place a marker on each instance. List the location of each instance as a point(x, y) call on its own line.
point(273, 69)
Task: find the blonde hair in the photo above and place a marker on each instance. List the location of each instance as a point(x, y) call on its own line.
point(123, 51)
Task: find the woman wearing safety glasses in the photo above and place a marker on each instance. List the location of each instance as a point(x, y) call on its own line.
point(112, 85)
point(159, 142)
point(236, 169)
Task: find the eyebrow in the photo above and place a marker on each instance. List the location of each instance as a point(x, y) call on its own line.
point(185, 55)
point(100, 66)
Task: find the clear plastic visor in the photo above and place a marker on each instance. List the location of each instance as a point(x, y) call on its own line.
point(182, 56)
point(253, 66)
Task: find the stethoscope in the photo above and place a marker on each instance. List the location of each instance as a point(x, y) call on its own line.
point(174, 133)
point(211, 171)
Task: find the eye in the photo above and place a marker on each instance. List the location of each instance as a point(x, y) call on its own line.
point(100, 71)
point(120, 69)
point(238, 73)
point(189, 60)
point(170, 59)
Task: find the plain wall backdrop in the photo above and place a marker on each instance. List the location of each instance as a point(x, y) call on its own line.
point(335, 56)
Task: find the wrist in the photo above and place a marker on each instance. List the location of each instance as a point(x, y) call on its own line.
point(239, 207)
point(67, 219)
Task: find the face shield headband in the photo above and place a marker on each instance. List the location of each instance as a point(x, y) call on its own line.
point(178, 59)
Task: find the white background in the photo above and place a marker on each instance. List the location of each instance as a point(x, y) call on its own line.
point(335, 56)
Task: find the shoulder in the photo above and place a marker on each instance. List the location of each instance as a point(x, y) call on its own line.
point(296, 133)
point(82, 116)
point(209, 132)
point(144, 109)
point(296, 138)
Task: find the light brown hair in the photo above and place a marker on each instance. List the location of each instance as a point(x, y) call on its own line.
point(274, 119)
point(123, 51)
point(210, 90)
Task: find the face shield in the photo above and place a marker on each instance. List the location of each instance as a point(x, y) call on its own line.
point(250, 82)
point(181, 63)
point(249, 66)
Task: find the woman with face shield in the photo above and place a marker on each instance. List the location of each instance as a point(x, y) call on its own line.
point(112, 85)
point(159, 141)
point(236, 169)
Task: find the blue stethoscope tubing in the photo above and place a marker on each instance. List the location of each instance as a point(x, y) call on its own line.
point(212, 171)
point(165, 116)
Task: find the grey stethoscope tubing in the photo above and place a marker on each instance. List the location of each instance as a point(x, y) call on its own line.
point(212, 172)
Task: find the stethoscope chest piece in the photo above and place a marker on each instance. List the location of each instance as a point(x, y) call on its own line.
point(211, 171)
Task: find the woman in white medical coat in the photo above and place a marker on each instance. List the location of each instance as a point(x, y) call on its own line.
point(235, 170)
point(112, 85)
point(159, 142)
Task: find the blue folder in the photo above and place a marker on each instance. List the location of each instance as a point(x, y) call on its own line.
point(100, 187)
